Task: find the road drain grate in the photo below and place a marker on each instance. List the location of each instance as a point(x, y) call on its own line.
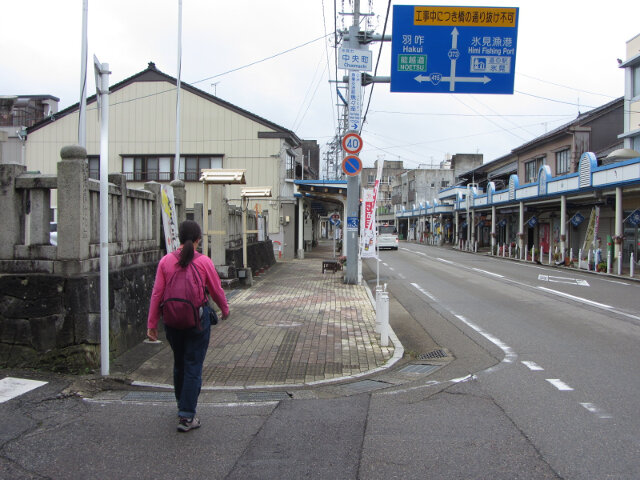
point(418, 368)
point(365, 386)
point(262, 396)
point(149, 397)
point(433, 354)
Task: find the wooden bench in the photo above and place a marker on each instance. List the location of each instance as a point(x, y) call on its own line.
point(333, 265)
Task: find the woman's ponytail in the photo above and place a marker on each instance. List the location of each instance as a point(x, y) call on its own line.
point(188, 233)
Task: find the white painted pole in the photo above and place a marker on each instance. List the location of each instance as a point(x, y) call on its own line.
point(384, 323)
point(176, 160)
point(608, 261)
point(620, 262)
point(509, 250)
point(632, 266)
point(579, 258)
point(570, 255)
point(589, 260)
point(378, 308)
point(533, 254)
point(550, 255)
point(82, 111)
point(104, 218)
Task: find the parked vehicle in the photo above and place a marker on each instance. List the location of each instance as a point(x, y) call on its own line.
point(387, 237)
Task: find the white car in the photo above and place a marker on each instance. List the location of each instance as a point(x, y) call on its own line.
point(387, 237)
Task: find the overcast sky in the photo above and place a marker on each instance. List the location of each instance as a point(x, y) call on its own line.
point(565, 64)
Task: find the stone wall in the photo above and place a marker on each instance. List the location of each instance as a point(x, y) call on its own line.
point(53, 321)
point(259, 256)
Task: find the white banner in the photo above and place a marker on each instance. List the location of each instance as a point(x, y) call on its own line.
point(369, 237)
point(169, 219)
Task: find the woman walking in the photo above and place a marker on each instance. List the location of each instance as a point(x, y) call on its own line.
point(188, 337)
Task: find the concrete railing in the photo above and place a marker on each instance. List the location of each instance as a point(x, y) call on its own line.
point(135, 231)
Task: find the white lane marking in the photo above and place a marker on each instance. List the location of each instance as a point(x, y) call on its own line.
point(532, 365)
point(446, 261)
point(570, 281)
point(402, 276)
point(559, 384)
point(509, 354)
point(595, 410)
point(577, 299)
point(619, 283)
point(488, 273)
point(11, 387)
point(590, 302)
point(392, 269)
point(424, 292)
point(385, 264)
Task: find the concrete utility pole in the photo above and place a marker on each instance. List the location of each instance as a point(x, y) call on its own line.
point(353, 182)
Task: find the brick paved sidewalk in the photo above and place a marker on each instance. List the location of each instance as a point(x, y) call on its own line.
point(295, 325)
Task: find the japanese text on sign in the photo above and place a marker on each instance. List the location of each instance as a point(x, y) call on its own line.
point(353, 59)
point(465, 16)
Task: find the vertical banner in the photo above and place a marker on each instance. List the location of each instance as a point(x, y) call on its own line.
point(169, 219)
point(591, 236)
point(369, 238)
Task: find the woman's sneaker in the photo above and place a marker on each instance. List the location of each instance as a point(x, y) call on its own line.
point(185, 424)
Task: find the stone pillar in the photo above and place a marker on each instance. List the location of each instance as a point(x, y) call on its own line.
point(11, 212)
point(120, 211)
point(156, 216)
point(219, 224)
point(180, 197)
point(73, 204)
point(39, 216)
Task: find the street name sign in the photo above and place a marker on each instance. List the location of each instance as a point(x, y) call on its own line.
point(437, 49)
point(351, 165)
point(354, 59)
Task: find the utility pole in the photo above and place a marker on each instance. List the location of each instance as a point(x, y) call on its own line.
point(353, 182)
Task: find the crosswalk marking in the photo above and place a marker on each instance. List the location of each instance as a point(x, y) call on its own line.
point(11, 387)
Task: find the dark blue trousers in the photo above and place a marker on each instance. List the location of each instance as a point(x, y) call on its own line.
point(189, 349)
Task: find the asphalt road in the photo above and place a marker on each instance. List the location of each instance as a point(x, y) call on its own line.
point(537, 385)
point(568, 380)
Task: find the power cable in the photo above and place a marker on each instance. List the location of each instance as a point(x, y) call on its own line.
point(564, 86)
point(375, 71)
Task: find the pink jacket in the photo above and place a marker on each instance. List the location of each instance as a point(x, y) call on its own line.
point(167, 266)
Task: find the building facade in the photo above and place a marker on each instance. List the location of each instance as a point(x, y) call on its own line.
point(213, 134)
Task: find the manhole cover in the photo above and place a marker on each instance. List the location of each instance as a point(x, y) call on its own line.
point(433, 354)
point(365, 386)
point(418, 368)
point(150, 397)
point(262, 396)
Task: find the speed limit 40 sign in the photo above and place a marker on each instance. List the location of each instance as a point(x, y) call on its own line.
point(352, 143)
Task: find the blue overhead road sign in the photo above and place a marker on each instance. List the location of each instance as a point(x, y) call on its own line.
point(453, 49)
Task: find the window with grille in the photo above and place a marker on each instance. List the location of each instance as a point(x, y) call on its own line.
point(562, 162)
